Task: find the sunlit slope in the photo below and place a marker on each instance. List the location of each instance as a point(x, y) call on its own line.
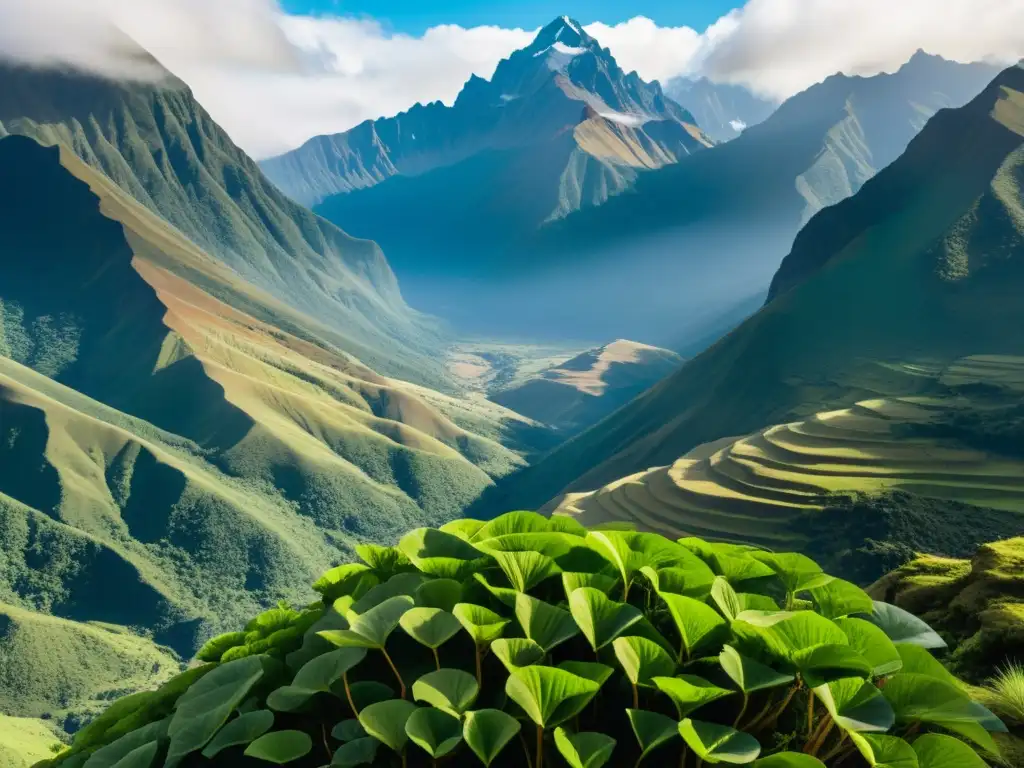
point(24, 741)
point(157, 144)
point(923, 267)
point(58, 668)
point(578, 392)
point(188, 453)
point(755, 488)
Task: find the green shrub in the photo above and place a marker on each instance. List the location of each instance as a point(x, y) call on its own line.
point(533, 641)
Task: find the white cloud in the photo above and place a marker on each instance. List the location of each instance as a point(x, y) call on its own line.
point(274, 80)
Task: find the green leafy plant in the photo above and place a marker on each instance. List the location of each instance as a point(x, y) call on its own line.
point(533, 641)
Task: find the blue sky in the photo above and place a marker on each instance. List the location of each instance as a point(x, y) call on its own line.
point(414, 16)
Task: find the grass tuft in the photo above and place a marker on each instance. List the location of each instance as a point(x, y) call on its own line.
point(1007, 692)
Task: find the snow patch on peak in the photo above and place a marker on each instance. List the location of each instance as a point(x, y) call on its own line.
point(632, 120)
point(572, 25)
point(737, 125)
point(567, 49)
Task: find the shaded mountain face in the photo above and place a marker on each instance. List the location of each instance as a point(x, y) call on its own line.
point(658, 264)
point(923, 266)
point(579, 392)
point(562, 83)
point(162, 148)
point(175, 450)
point(723, 111)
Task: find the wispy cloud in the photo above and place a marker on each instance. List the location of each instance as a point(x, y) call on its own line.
point(274, 80)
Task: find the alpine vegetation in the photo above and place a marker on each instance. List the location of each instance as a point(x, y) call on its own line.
point(533, 641)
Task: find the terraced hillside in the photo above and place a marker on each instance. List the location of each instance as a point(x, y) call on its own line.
point(757, 488)
point(175, 455)
point(923, 267)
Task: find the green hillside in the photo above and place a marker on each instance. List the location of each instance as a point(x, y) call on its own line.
point(25, 741)
point(919, 269)
point(172, 461)
point(162, 148)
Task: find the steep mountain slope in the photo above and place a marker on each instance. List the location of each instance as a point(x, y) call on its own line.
point(562, 83)
point(688, 240)
point(579, 392)
point(173, 459)
point(162, 148)
point(923, 266)
point(723, 111)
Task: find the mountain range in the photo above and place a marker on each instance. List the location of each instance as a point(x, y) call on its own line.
point(908, 289)
point(478, 247)
point(722, 110)
point(558, 119)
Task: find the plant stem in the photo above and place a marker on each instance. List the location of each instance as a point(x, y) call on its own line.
point(540, 747)
point(348, 694)
point(437, 660)
point(394, 669)
point(775, 714)
point(820, 735)
point(479, 669)
point(327, 747)
point(526, 751)
point(810, 712)
point(636, 697)
point(764, 710)
point(838, 748)
point(743, 710)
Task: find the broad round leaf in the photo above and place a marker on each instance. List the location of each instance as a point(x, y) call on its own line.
point(600, 619)
point(525, 570)
point(904, 627)
point(398, 585)
point(881, 751)
point(652, 729)
point(370, 629)
point(242, 730)
point(918, 660)
point(935, 750)
point(516, 652)
point(431, 627)
point(348, 730)
point(693, 579)
point(384, 561)
point(630, 551)
point(840, 598)
point(437, 553)
point(140, 757)
point(483, 625)
point(449, 689)
point(321, 673)
point(522, 521)
point(584, 750)
point(725, 597)
point(503, 595)
point(549, 696)
point(465, 529)
point(117, 750)
point(701, 628)
point(789, 760)
point(487, 731)
point(563, 523)
point(716, 743)
point(207, 704)
point(435, 732)
point(361, 751)
point(689, 692)
point(543, 623)
point(826, 663)
point(796, 572)
point(737, 568)
point(643, 659)
point(572, 581)
point(748, 674)
point(280, 747)
point(439, 593)
point(346, 579)
point(385, 721)
point(592, 670)
point(856, 705)
point(873, 645)
point(367, 692)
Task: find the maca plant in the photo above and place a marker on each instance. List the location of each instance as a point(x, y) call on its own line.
point(529, 641)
